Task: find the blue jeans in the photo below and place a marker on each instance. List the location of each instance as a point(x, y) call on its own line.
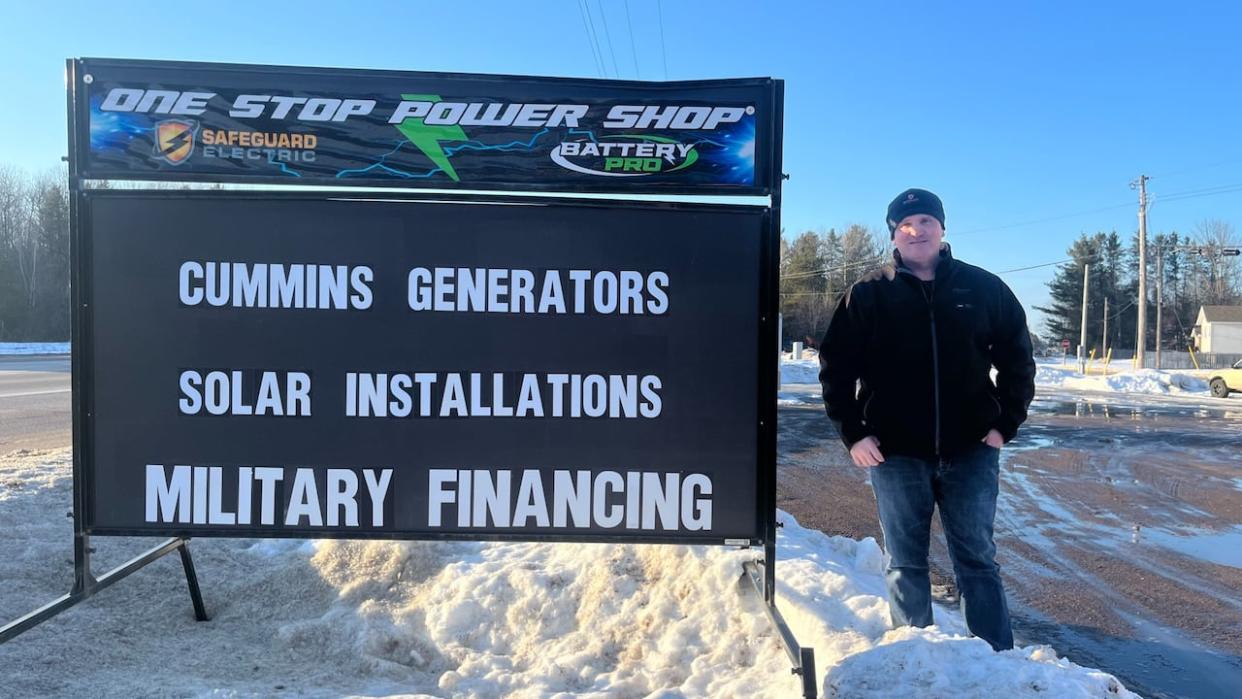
point(964, 487)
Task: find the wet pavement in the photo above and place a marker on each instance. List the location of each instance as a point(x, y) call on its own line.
point(1119, 529)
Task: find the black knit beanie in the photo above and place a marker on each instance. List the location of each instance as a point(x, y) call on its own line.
point(914, 201)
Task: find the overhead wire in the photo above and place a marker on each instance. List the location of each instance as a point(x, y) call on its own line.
point(603, 16)
point(1123, 309)
point(1176, 196)
point(1045, 264)
point(1196, 193)
point(633, 51)
point(590, 34)
point(1195, 168)
point(829, 270)
point(874, 260)
point(1154, 198)
point(663, 54)
point(1061, 217)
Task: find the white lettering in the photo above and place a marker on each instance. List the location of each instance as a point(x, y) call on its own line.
point(168, 499)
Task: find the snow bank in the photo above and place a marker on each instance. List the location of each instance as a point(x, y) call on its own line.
point(473, 619)
point(1147, 381)
point(799, 371)
point(1047, 375)
point(927, 663)
point(34, 348)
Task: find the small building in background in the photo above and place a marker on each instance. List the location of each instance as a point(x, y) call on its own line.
point(1218, 330)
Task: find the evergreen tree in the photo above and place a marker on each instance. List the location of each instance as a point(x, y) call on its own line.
point(815, 271)
point(803, 290)
point(51, 222)
point(1063, 314)
point(861, 252)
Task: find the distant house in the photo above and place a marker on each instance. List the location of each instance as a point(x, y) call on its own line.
point(1219, 329)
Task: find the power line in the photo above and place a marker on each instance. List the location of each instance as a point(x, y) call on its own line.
point(828, 270)
point(1046, 264)
point(633, 51)
point(590, 34)
point(800, 275)
point(603, 16)
point(1175, 196)
point(1124, 308)
point(1062, 217)
point(1197, 168)
point(1196, 193)
point(663, 55)
point(881, 258)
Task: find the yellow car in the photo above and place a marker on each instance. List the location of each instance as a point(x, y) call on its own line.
point(1227, 380)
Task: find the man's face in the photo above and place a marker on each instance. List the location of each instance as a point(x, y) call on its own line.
point(918, 239)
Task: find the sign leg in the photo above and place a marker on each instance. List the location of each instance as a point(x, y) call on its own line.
point(191, 579)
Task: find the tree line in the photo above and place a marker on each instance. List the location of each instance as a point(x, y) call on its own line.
point(1196, 272)
point(34, 256)
point(816, 269)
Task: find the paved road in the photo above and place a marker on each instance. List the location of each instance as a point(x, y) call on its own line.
point(34, 403)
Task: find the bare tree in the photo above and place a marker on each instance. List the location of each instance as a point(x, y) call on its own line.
point(1223, 285)
point(34, 256)
point(861, 251)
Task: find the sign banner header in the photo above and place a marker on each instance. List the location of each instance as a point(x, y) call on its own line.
point(152, 120)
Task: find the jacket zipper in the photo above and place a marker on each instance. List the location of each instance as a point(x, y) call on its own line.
point(931, 313)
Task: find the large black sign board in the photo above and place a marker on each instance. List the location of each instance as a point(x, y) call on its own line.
point(380, 367)
point(155, 120)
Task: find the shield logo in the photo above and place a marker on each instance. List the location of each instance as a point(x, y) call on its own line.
point(174, 140)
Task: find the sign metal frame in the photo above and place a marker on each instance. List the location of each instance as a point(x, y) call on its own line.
point(767, 183)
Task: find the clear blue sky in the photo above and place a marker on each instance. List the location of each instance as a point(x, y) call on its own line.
point(1014, 112)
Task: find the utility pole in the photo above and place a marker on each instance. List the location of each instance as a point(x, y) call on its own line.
point(1159, 298)
point(1082, 335)
point(1140, 352)
point(1104, 344)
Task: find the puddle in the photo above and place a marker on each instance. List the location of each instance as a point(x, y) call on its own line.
point(1089, 408)
point(1222, 548)
point(1030, 440)
point(1025, 494)
point(798, 398)
point(1159, 662)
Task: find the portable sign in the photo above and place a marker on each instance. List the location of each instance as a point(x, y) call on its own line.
point(476, 365)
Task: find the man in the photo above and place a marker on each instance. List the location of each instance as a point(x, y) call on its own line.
point(905, 366)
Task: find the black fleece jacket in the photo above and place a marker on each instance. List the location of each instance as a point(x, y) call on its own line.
point(920, 355)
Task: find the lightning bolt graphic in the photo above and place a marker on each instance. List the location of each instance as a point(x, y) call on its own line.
point(428, 138)
point(176, 142)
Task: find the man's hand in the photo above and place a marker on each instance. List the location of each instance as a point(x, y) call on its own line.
point(993, 439)
point(866, 452)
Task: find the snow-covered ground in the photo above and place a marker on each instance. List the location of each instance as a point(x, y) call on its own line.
point(1052, 375)
point(805, 370)
point(34, 348)
point(331, 618)
point(1123, 380)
